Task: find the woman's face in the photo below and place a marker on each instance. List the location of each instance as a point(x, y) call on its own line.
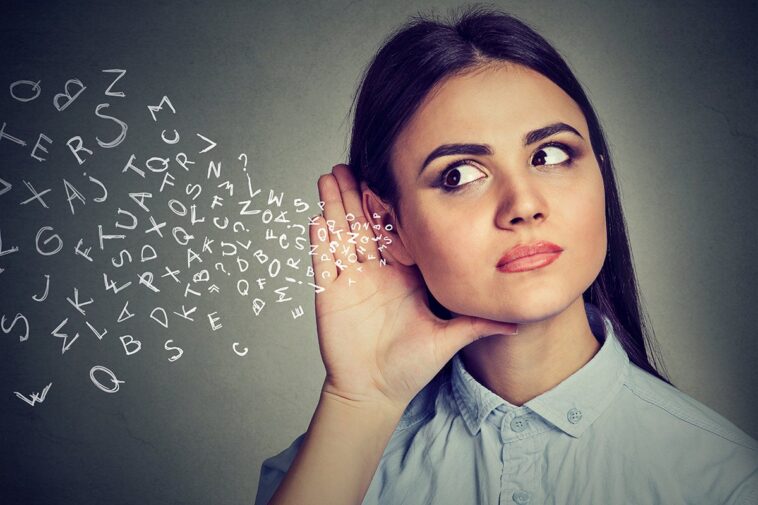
point(524, 190)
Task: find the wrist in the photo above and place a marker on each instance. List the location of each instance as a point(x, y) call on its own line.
point(354, 427)
point(353, 406)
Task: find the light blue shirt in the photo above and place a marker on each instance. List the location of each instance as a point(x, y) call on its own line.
point(609, 434)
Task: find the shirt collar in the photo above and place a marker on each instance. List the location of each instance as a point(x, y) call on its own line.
point(572, 405)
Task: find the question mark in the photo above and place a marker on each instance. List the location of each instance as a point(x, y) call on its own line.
point(222, 268)
point(244, 167)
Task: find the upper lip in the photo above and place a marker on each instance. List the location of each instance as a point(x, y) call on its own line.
point(522, 250)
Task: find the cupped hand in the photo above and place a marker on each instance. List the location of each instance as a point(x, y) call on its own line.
point(380, 342)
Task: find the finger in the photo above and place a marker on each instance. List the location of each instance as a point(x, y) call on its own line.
point(347, 199)
point(463, 330)
point(334, 213)
point(324, 269)
point(364, 246)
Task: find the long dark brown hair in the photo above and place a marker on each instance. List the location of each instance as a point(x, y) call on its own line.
point(419, 55)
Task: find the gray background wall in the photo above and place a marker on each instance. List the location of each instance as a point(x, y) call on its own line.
point(673, 82)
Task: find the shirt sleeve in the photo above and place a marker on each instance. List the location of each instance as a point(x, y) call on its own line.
point(273, 471)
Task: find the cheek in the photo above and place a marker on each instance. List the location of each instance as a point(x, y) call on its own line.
point(590, 225)
point(440, 251)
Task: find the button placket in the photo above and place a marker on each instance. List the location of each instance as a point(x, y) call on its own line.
point(519, 424)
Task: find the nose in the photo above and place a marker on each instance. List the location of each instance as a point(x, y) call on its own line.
point(521, 204)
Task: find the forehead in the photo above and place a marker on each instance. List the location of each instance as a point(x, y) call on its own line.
point(496, 105)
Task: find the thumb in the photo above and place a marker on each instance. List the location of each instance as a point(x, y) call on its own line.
point(462, 330)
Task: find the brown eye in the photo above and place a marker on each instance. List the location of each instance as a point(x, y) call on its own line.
point(551, 155)
point(453, 177)
point(458, 175)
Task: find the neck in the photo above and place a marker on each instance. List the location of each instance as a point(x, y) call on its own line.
point(520, 367)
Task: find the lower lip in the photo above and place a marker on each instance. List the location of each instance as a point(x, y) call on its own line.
point(530, 262)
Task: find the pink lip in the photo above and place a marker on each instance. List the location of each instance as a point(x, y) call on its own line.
point(529, 256)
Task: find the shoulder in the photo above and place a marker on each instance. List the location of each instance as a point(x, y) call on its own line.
point(667, 405)
point(653, 434)
point(675, 436)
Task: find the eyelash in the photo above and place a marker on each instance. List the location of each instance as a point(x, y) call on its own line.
point(441, 179)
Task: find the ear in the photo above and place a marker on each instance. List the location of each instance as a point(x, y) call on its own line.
point(380, 214)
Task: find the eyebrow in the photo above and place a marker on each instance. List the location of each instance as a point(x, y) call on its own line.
point(484, 149)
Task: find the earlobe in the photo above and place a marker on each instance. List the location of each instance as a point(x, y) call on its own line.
point(381, 218)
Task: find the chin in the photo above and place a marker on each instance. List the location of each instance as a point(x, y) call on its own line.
point(531, 308)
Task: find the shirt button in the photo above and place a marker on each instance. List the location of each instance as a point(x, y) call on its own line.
point(521, 497)
point(574, 416)
point(519, 424)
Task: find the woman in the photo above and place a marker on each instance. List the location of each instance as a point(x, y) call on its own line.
point(499, 354)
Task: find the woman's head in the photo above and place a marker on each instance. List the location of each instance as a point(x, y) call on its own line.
point(488, 80)
point(463, 210)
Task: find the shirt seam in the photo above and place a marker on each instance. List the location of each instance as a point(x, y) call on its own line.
point(706, 426)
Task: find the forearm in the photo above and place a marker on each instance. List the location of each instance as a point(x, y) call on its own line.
point(339, 455)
